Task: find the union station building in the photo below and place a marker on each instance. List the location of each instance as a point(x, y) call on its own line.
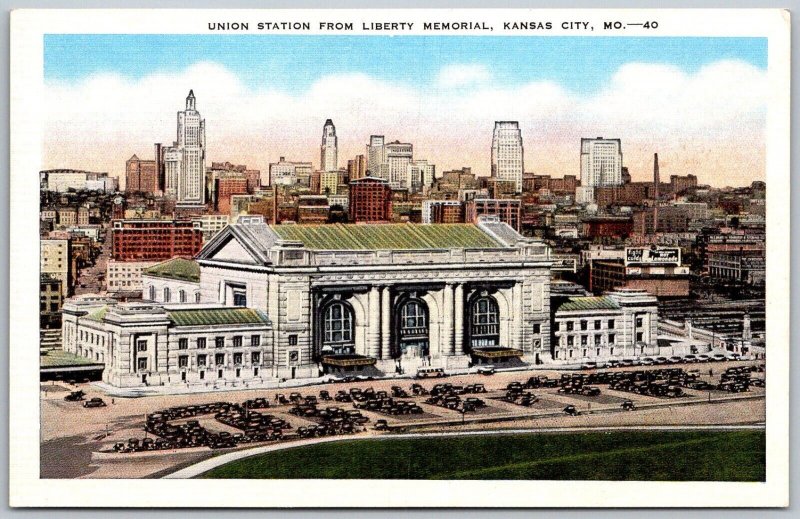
point(302, 301)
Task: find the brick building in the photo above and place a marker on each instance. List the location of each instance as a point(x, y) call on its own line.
point(370, 200)
point(607, 227)
point(224, 188)
point(313, 209)
point(508, 210)
point(141, 176)
point(155, 240)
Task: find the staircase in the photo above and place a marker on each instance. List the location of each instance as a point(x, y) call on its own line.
point(50, 339)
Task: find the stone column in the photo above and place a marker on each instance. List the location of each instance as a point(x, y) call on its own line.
point(458, 319)
point(447, 320)
point(517, 328)
point(386, 323)
point(374, 323)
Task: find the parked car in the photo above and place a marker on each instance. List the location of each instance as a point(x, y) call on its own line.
point(703, 358)
point(648, 361)
point(486, 370)
point(589, 365)
point(75, 396)
point(94, 402)
point(675, 359)
point(430, 372)
point(628, 405)
point(570, 410)
point(381, 425)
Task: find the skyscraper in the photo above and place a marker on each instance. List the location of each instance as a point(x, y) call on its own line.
point(398, 157)
point(329, 150)
point(507, 153)
point(184, 161)
point(601, 162)
point(376, 154)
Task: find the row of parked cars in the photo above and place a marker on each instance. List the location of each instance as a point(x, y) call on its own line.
point(652, 361)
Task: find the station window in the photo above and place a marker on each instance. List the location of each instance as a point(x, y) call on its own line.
point(537, 328)
point(255, 357)
point(237, 358)
point(570, 340)
point(584, 325)
point(597, 339)
point(219, 358)
point(611, 324)
point(183, 344)
point(141, 345)
point(293, 340)
point(639, 322)
point(183, 361)
point(201, 342)
point(237, 341)
point(639, 336)
point(255, 340)
point(597, 324)
point(584, 340)
point(141, 363)
point(201, 361)
point(219, 342)
point(569, 326)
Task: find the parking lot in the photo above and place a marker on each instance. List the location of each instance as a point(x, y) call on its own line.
point(89, 435)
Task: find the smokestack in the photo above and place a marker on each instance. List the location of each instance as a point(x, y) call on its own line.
point(656, 185)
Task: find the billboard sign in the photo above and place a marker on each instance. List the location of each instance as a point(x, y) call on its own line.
point(653, 256)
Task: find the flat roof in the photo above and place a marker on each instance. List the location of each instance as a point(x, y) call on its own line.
point(65, 359)
point(589, 303)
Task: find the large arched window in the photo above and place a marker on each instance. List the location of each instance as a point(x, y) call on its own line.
point(413, 329)
point(413, 320)
point(166, 294)
point(338, 327)
point(152, 293)
point(485, 322)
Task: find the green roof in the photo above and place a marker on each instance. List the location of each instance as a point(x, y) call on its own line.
point(388, 236)
point(589, 303)
point(98, 315)
point(176, 268)
point(213, 316)
point(61, 358)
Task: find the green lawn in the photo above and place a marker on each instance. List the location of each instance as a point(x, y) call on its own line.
point(631, 456)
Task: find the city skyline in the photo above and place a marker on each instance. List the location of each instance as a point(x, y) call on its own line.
point(257, 124)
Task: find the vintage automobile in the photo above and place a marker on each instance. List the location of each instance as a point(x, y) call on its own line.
point(94, 402)
point(75, 396)
point(486, 370)
point(570, 410)
point(627, 405)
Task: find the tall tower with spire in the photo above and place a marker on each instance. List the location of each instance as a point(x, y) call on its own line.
point(329, 160)
point(184, 161)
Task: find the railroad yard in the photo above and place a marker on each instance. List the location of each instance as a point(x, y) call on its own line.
point(94, 435)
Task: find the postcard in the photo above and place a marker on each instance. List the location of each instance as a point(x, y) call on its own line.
point(393, 258)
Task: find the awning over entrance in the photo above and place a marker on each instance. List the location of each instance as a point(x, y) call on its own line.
point(496, 352)
point(347, 361)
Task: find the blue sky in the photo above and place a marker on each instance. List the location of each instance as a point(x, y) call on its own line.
point(579, 64)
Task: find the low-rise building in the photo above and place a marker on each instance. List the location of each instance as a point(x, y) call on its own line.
point(144, 344)
point(125, 276)
point(622, 323)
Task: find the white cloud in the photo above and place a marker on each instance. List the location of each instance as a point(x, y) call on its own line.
point(462, 75)
point(709, 123)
